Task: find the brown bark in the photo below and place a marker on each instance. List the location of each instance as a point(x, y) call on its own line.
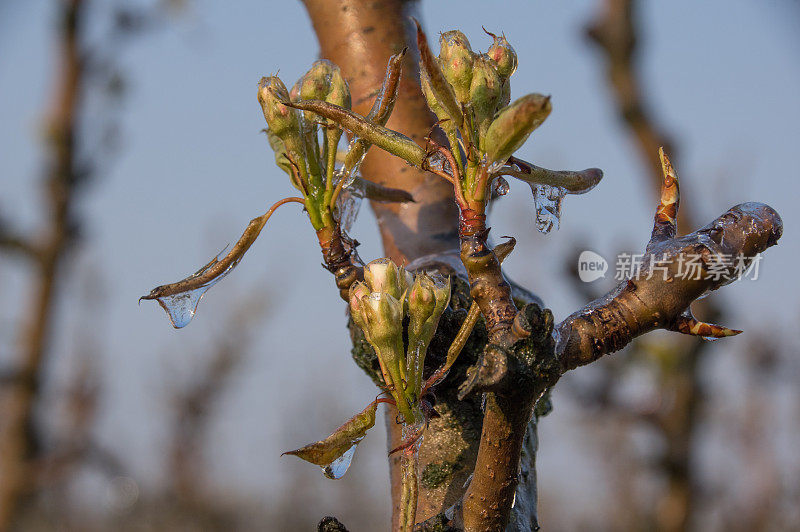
point(16, 443)
point(360, 36)
point(521, 361)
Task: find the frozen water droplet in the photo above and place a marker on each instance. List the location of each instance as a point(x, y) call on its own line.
point(437, 162)
point(710, 338)
point(548, 200)
point(181, 308)
point(337, 469)
point(501, 186)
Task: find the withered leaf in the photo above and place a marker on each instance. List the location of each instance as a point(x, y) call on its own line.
point(342, 440)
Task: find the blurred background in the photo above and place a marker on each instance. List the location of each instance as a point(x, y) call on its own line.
point(130, 155)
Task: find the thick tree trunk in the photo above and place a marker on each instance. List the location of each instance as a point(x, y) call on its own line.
point(359, 36)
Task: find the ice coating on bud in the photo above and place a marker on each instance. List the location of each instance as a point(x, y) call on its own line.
point(485, 90)
point(339, 93)
point(441, 289)
point(382, 275)
point(504, 55)
point(384, 316)
point(280, 152)
point(433, 102)
point(358, 291)
point(513, 125)
point(316, 83)
point(421, 300)
point(283, 121)
point(456, 59)
point(407, 278)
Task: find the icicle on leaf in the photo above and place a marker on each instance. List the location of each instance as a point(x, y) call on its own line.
point(334, 453)
point(548, 200)
point(180, 299)
point(337, 469)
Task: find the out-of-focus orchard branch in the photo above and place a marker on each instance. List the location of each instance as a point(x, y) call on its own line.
point(615, 31)
point(70, 161)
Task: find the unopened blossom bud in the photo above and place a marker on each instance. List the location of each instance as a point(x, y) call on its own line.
point(358, 292)
point(339, 93)
point(384, 315)
point(382, 275)
point(513, 125)
point(421, 302)
point(485, 90)
point(427, 299)
point(504, 55)
point(283, 121)
point(441, 290)
point(456, 59)
point(316, 83)
point(433, 103)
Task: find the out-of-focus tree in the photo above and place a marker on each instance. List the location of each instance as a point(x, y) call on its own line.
point(77, 144)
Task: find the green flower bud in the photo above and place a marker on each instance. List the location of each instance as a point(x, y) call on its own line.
point(339, 93)
point(441, 289)
point(384, 314)
point(513, 125)
point(456, 59)
point(382, 275)
point(283, 121)
point(358, 292)
point(421, 303)
point(485, 91)
point(504, 55)
point(316, 83)
point(433, 102)
point(427, 299)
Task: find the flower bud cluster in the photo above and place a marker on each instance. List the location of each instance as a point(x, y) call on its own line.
point(379, 305)
point(303, 149)
point(470, 92)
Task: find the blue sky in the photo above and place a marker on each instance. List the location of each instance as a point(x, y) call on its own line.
point(723, 76)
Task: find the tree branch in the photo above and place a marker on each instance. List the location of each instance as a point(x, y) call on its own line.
point(360, 36)
point(62, 177)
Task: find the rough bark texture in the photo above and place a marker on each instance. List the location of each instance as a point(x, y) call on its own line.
point(17, 443)
point(360, 36)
